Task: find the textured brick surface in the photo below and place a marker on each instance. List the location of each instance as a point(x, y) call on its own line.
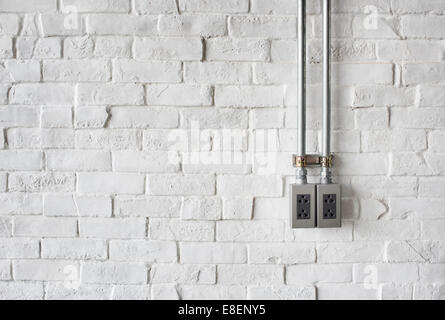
point(146, 146)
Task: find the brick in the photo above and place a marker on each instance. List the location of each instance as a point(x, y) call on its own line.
point(40, 138)
point(267, 118)
point(20, 204)
point(165, 292)
point(98, 6)
point(209, 292)
point(413, 6)
point(56, 117)
point(91, 117)
point(193, 25)
point(432, 118)
point(41, 270)
point(6, 47)
point(262, 26)
point(256, 231)
point(114, 273)
point(125, 292)
point(231, 49)
point(281, 253)
point(422, 26)
point(19, 248)
point(429, 292)
point(142, 250)
point(386, 230)
point(415, 251)
point(108, 139)
point(415, 165)
point(431, 187)
point(396, 140)
point(229, 6)
point(41, 182)
point(431, 230)
point(69, 205)
point(158, 207)
point(21, 71)
point(9, 24)
point(19, 290)
point(249, 96)
point(57, 24)
point(431, 273)
point(48, 48)
point(394, 273)
point(320, 235)
point(42, 93)
point(45, 227)
point(171, 48)
point(154, 72)
point(250, 186)
point(362, 74)
point(382, 96)
point(183, 274)
point(217, 73)
point(75, 70)
point(268, 73)
point(318, 273)
point(120, 24)
point(20, 160)
point(113, 47)
point(250, 275)
point(75, 249)
point(388, 27)
point(139, 117)
point(343, 291)
point(31, 6)
point(234, 209)
point(165, 229)
point(392, 291)
point(431, 96)
point(201, 209)
point(115, 94)
point(111, 183)
point(343, 51)
point(437, 141)
point(423, 73)
point(381, 187)
point(340, 252)
point(78, 160)
point(78, 47)
point(150, 162)
point(181, 185)
point(179, 95)
point(409, 50)
point(281, 293)
point(5, 270)
point(212, 253)
point(116, 228)
point(155, 6)
point(165, 140)
point(60, 291)
point(215, 118)
point(412, 207)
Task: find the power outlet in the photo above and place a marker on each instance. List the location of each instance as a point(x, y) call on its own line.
point(302, 206)
point(328, 206)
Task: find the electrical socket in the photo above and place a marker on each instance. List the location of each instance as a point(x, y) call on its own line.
point(302, 206)
point(328, 206)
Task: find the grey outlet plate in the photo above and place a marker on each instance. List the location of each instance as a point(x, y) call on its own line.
point(302, 192)
point(329, 195)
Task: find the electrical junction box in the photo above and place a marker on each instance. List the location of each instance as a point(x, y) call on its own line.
point(303, 206)
point(315, 205)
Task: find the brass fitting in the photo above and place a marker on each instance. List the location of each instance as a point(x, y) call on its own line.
point(312, 161)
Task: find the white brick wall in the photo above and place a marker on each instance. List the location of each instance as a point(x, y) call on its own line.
point(97, 201)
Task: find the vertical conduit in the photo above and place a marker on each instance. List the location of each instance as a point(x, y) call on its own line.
point(326, 134)
point(302, 171)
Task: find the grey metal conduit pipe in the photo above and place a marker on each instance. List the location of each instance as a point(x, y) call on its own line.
point(302, 171)
point(326, 133)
